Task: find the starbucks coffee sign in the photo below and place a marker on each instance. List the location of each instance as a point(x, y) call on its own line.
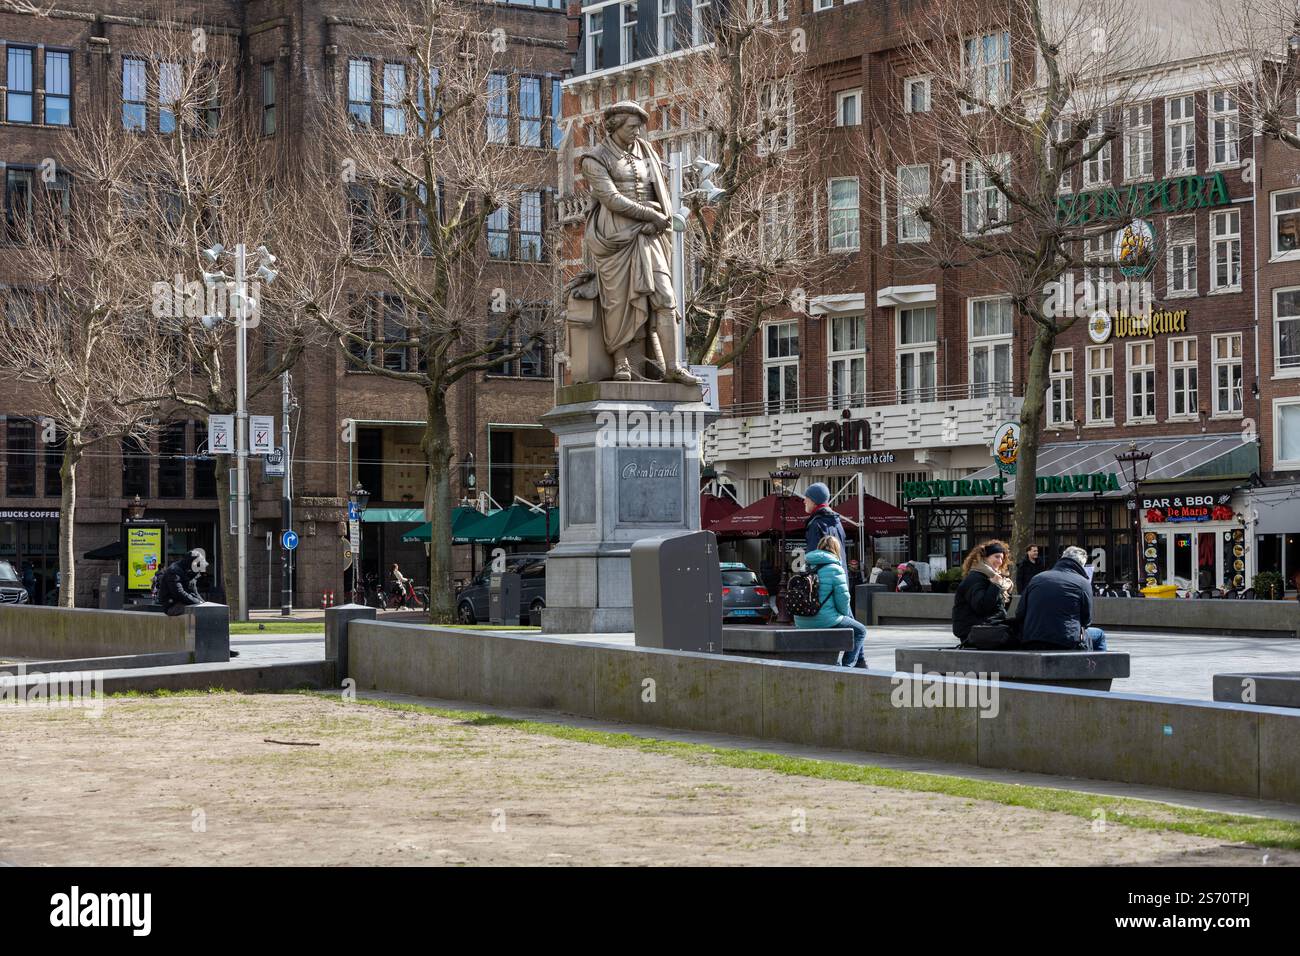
point(1142, 200)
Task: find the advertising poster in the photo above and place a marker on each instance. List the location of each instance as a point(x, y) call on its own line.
point(144, 551)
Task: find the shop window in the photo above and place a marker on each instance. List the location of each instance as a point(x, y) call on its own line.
point(135, 467)
point(1060, 393)
point(917, 345)
point(1101, 385)
point(1094, 517)
point(847, 360)
point(781, 366)
point(1182, 378)
point(1180, 134)
point(991, 326)
point(1141, 381)
point(171, 461)
point(1286, 223)
point(20, 457)
point(1286, 325)
point(1227, 374)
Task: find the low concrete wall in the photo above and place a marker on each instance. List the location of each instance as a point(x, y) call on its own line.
point(1249, 618)
point(60, 633)
point(1189, 745)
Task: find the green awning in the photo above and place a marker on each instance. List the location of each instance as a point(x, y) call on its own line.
point(498, 525)
point(393, 515)
point(532, 529)
point(463, 518)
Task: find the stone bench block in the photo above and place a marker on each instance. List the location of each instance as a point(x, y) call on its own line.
point(1093, 670)
point(811, 645)
point(1271, 689)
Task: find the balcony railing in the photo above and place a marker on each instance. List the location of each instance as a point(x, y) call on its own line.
point(896, 396)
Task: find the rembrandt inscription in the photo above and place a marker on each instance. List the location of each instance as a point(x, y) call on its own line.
point(650, 486)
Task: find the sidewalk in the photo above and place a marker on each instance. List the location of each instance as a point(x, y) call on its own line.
point(316, 615)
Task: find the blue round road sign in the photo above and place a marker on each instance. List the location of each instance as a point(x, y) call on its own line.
point(289, 539)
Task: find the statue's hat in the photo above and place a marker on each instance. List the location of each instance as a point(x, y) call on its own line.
point(627, 106)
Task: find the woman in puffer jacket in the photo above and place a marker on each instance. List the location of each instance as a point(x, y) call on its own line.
point(985, 592)
point(833, 593)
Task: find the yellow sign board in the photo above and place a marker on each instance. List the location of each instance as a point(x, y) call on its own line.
point(144, 553)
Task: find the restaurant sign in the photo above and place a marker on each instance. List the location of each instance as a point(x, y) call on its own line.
point(1098, 482)
point(1209, 506)
point(1141, 200)
point(846, 461)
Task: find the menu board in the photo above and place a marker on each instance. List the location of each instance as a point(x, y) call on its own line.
point(144, 548)
point(1153, 558)
point(1234, 558)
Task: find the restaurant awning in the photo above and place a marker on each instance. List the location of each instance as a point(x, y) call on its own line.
point(713, 508)
point(531, 528)
point(463, 518)
point(767, 515)
point(393, 515)
point(882, 518)
point(1214, 457)
point(503, 525)
point(1277, 509)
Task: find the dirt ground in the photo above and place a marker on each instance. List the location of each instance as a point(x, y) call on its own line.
point(190, 780)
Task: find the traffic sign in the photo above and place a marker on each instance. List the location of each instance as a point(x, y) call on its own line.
point(261, 429)
point(354, 513)
point(289, 540)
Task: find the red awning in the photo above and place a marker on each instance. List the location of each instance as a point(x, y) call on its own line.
point(714, 508)
point(764, 516)
point(882, 518)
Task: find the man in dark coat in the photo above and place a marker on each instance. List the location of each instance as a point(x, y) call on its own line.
point(822, 519)
point(176, 591)
point(1031, 564)
point(1056, 609)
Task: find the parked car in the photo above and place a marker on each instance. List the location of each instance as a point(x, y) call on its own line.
point(743, 595)
point(472, 599)
point(11, 586)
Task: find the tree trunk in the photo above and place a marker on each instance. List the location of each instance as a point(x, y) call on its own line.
point(1031, 420)
point(67, 524)
point(229, 543)
point(438, 454)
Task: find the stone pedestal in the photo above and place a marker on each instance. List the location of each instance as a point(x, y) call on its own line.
point(629, 469)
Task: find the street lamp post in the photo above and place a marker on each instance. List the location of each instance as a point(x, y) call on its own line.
point(359, 497)
point(546, 486)
point(706, 192)
point(784, 479)
point(1134, 465)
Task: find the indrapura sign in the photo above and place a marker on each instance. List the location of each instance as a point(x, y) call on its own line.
point(1140, 200)
point(1097, 482)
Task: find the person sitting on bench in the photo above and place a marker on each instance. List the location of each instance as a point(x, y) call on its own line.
point(1056, 609)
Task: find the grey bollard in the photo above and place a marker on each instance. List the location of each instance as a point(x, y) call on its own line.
point(862, 610)
point(677, 592)
point(337, 620)
point(211, 623)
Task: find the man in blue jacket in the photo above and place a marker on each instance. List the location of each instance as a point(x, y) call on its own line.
point(1056, 609)
point(822, 519)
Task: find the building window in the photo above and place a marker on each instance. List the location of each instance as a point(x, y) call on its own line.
point(530, 111)
point(627, 32)
point(1227, 374)
point(847, 360)
point(1097, 249)
point(1286, 223)
point(1138, 147)
point(848, 108)
point(20, 457)
point(1180, 279)
point(169, 95)
point(595, 41)
point(58, 88)
point(1180, 133)
point(819, 5)
point(916, 354)
point(205, 471)
point(360, 95)
point(135, 467)
point(54, 464)
point(211, 111)
point(1286, 321)
point(1286, 426)
point(557, 112)
point(171, 461)
point(916, 94)
point(991, 326)
point(361, 216)
point(498, 108)
point(1225, 250)
point(498, 233)
point(983, 204)
point(530, 226)
point(396, 357)
point(1101, 385)
point(913, 194)
point(781, 367)
point(134, 92)
point(986, 63)
point(1141, 381)
point(667, 26)
point(268, 99)
point(20, 99)
point(18, 204)
point(1096, 169)
point(1224, 132)
point(776, 116)
point(394, 99)
point(701, 22)
point(1060, 392)
point(775, 239)
point(1182, 378)
point(843, 218)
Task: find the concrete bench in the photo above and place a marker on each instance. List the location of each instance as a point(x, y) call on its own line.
point(1271, 688)
point(1089, 670)
point(809, 645)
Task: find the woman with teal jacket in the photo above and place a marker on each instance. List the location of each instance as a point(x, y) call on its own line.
point(833, 594)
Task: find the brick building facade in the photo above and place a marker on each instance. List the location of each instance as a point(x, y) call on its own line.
point(54, 63)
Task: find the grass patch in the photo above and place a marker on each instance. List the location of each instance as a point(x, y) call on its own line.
point(1125, 811)
point(277, 627)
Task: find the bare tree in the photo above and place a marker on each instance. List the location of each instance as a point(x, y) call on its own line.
point(1256, 45)
point(1025, 104)
point(81, 333)
point(410, 195)
point(210, 176)
point(754, 108)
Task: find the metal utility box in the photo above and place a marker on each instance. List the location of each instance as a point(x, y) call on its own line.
point(111, 587)
point(677, 592)
point(503, 598)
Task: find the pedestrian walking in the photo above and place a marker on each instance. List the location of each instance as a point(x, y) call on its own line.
point(1032, 563)
point(822, 519)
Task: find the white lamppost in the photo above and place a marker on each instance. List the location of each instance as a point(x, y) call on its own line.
point(704, 178)
point(243, 311)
